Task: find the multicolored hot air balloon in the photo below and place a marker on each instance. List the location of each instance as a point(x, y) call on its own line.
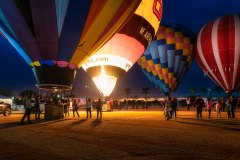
point(218, 51)
point(118, 55)
point(56, 36)
point(167, 59)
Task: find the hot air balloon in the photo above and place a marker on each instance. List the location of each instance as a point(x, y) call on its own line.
point(167, 59)
point(218, 51)
point(55, 36)
point(118, 55)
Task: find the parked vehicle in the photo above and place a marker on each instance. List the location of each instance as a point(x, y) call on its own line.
point(5, 109)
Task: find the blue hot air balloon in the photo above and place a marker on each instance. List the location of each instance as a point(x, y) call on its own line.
point(167, 59)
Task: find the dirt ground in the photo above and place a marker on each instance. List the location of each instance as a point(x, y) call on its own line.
point(123, 135)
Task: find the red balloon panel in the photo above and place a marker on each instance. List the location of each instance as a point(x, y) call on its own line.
point(218, 51)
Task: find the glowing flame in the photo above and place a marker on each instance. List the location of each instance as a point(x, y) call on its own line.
point(105, 83)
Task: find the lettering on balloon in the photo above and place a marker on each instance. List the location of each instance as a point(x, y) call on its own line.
point(127, 66)
point(147, 35)
point(92, 60)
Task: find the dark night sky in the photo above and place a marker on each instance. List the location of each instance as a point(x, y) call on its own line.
point(16, 75)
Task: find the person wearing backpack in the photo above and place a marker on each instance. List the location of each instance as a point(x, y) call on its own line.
point(89, 107)
point(218, 109)
point(27, 106)
point(228, 109)
point(199, 104)
point(37, 108)
point(75, 107)
point(99, 108)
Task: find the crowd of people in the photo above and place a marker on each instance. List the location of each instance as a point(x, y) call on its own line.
point(221, 105)
point(75, 103)
point(170, 106)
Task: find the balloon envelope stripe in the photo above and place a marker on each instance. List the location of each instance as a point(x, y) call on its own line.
point(48, 42)
point(4, 20)
point(72, 28)
point(22, 32)
point(61, 9)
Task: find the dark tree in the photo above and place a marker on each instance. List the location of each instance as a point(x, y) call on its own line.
point(28, 92)
point(204, 91)
point(218, 90)
point(5, 92)
point(192, 91)
point(128, 91)
point(145, 91)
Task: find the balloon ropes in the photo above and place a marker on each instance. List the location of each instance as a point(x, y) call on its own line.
point(168, 58)
point(218, 51)
point(56, 36)
point(118, 55)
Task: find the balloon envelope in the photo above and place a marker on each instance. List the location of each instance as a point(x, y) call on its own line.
point(218, 51)
point(118, 55)
point(167, 59)
point(56, 36)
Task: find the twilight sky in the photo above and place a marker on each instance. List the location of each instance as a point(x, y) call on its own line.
point(16, 75)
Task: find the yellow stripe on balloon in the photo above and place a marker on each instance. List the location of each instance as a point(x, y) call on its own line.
point(178, 34)
point(145, 10)
point(154, 72)
point(186, 52)
point(160, 77)
point(161, 36)
point(150, 62)
point(186, 40)
point(148, 68)
point(170, 40)
point(165, 70)
point(143, 59)
point(169, 30)
point(158, 66)
point(170, 75)
point(179, 46)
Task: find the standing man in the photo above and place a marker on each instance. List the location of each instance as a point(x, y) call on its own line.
point(99, 108)
point(37, 108)
point(111, 104)
point(75, 107)
point(188, 103)
point(89, 107)
point(199, 104)
point(209, 105)
point(174, 107)
point(28, 107)
point(233, 103)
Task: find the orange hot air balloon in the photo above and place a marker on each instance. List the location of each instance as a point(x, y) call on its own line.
point(118, 55)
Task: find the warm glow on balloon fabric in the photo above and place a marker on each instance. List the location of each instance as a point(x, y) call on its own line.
point(126, 46)
point(126, 49)
point(105, 83)
point(218, 51)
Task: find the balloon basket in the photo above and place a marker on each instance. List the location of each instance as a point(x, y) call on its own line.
point(53, 112)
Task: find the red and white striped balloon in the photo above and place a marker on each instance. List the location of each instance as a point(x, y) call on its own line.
point(218, 51)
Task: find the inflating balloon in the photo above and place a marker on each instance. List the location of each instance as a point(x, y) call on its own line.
point(56, 36)
point(218, 51)
point(118, 55)
point(167, 59)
